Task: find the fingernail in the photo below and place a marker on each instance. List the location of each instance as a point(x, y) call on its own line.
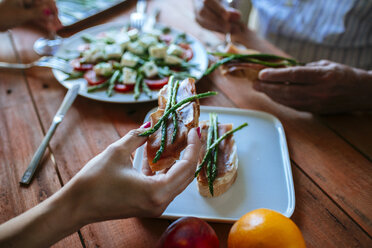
point(47, 12)
point(198, 131)
point(146, 125)
point(262, 74)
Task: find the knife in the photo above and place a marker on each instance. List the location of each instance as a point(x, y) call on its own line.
point(67, 101)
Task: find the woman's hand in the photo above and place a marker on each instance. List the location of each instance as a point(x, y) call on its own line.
point(319, 87)
point(212, 15)
point(108, 187)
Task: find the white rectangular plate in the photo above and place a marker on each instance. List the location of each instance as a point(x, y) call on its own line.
point(264, 174)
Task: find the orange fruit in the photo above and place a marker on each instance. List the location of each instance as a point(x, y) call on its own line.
point(264, 228)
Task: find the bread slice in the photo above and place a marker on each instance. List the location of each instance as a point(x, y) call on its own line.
point(188, 118)
point(227, 162)
point(241, 69)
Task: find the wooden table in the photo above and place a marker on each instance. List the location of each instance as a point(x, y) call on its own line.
point(330, 155)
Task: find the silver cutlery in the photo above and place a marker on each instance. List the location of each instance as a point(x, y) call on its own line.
point(138, 18)
point(151, 20)
point(67, 101)
point(47, 61)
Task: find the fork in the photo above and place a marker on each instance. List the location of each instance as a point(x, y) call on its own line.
point(138, 18)
point(47, 61)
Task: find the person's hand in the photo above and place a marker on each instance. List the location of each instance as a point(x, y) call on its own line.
point(319, 87)
point(108, 187)
point(49, 20)
point(17, 12)
point(212, 15)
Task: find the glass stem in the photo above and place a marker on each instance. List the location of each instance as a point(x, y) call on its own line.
point(228, 38)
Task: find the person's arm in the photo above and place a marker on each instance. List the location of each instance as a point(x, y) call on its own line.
point(319, 87)
point(44, 224)
point(107, 187)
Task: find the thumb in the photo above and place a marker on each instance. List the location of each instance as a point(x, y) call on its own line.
point(131, 141)
point(265, 74)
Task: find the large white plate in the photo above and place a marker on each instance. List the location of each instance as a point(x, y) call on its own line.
point(264, 174)
point(200, 57)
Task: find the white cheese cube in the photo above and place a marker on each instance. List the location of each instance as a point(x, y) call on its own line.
point(133, 34)
point(122, 39)
point(103, 69)
point(136, 48)
point(150, 69)
point(154, 32)
point(97, 56)
point(113, 51)
point(93, 56)
point(95, 53)
point(147, 41)
point(175, 50)
point(129, 76)
point(158, 51)
point(129, 59)
point(172, 60)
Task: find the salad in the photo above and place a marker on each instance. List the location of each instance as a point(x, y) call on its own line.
point(128, 60)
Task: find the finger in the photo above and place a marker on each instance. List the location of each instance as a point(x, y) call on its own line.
point(297, 74)
point(146, 170)
point(322, 62)
point(234, 15)
point(130, 142)
point(216, 7)
point(212, 23)
point(209, 19)
point(296, 96)
point(182, 172)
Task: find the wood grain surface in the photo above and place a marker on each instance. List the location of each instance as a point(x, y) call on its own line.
point(330, 155)
point(20, 135)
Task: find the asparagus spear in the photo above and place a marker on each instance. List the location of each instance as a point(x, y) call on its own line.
point(215, 144)
point(74, 75)
point(214, 171)
point(162, 143)
point(211, 138)
point(175, 119)
point(146, 89)
point(112, 81)
point(137, 92)
point(164, 124)
point(97, 87)
point(252, 58)
point(167, 113)
point(256, 56)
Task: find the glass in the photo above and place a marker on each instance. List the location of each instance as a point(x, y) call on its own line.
point(48, 46)
point(221, 47)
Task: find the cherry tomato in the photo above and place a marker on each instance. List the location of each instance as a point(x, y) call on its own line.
point(93, 78)
point(156, 83)
point(187, 53)
point(124, 87)
point(79, 66)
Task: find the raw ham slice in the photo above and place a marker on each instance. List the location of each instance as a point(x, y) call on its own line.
point(188, 118)
point(227, 161)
